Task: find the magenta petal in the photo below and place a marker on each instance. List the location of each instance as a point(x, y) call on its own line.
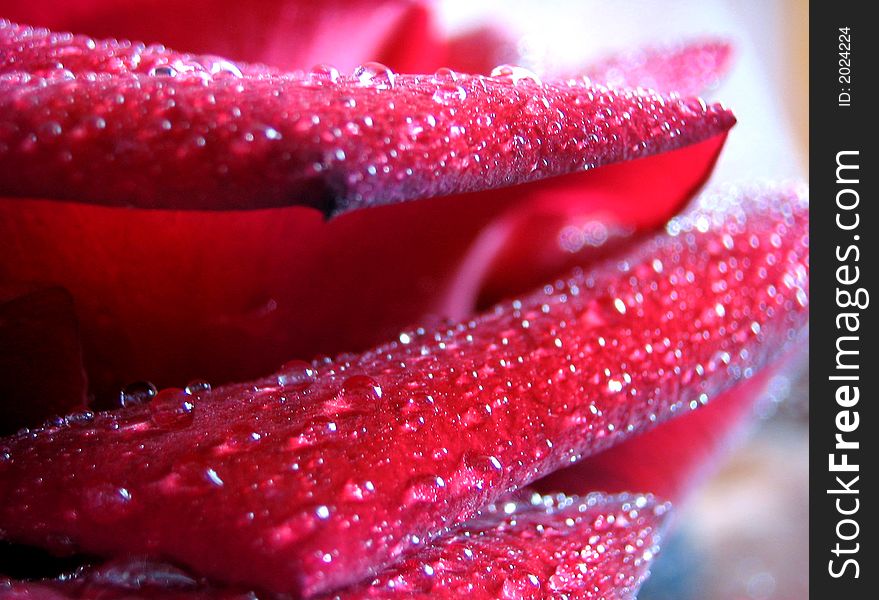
point(595, 547)
point(324, 472)
point(202, 141)
point(288, 34)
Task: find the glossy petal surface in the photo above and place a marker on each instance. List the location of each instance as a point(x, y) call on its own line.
point(587, 548)
point(543, 546)
point(672, 458)
point(324, 472)
point(199, 140)
point(229, 295)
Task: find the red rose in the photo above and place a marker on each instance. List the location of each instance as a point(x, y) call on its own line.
point(212, 219)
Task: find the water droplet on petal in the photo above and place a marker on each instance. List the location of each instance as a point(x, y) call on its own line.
point(212, 477)
point(296, 374)
point(357, 491)
point(164, 71)
point(362, 386)
point(221, 66)
point(324, 72)
point(172, 408)
point(515, 75)
point(106, 503)
point(199, 386)
point(375, 74)
point(445, 74)
point(449, 92)
point(423, 489)
point(139, 392)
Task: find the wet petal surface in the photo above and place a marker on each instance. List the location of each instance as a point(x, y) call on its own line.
point(328, 478)
point(199, 136)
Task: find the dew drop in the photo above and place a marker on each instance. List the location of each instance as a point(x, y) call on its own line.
point(164, 71)
point(362, 386)
point(296, 374)
point(324, 73)
point(449, 92)
point(106, 503)
point(137, 573)
point(445, 74)
point(423, 489)
point(515, 75)
point(139, 392)
point(221, 66)
point(212, 476)
point(358, 491)
point(172, 408)
point(375, 74)
point(196, 387)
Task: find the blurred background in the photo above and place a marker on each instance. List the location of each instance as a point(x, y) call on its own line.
point(744, 534)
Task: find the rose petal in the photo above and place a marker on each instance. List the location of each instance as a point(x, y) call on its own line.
point(668, 460)
point(569, 221)
point(296, 472)
point(688, 68)
point(41, 370)
point(593, 547)
point(199, 140)
point(234, 294)
point(287, 34)
point(692, 67)
point(255, 272)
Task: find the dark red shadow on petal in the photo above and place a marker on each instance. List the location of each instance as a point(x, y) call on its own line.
point(589, 215)
point(173, 295)
point(41, 371)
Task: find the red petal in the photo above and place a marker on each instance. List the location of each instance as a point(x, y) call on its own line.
point(233, 294)
point(572, 220)
point(202, 141)
point(41, 370)
point(296, 472)
point(525, 548)
point(29, 52)
point(670, 459)
point(287, 34)
point(691, 68)
point(481, 49)
point(545, 546)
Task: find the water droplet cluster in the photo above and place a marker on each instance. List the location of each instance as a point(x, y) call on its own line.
point(132, 125)
point(32, 54)
point(337, 471)
point(538, 547)
point(593, 547)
